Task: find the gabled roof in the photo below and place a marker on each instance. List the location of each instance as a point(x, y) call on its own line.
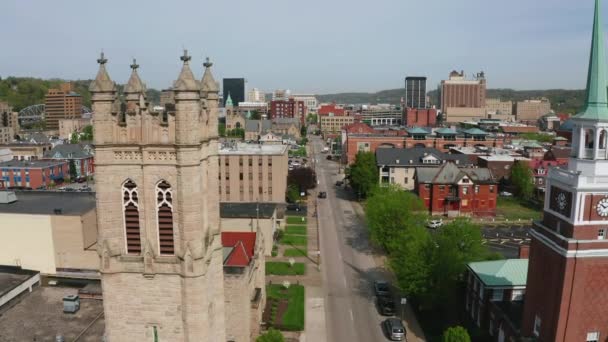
point(475, 131)
point(239, 248)
point(286, 122)
point(39, 138)
point(501, 273)
point(446, 131)
point(417, 130)
point(449, 173)
point(64, 151)
point(390, 156)
point(253, 125)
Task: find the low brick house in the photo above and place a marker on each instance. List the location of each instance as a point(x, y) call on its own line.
point(453, 191)
point(244, 283)
point(494, 296)
point(80, 155)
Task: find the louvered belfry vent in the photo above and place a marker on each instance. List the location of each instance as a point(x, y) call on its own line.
point(164, 201)
point(131, 216)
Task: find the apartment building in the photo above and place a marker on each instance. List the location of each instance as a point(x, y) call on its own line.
point(253, 172)
point(333, 124)
point(60, 104)
point(463, 99)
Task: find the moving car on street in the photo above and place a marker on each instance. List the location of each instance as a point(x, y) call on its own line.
point(381, 288)
point(322, 194)
point(394, 329)
point(386, 305)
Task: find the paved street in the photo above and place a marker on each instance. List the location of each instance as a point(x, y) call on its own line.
point(348, 266)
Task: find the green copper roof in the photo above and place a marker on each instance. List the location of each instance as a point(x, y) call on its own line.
point(596, 107)
point(446, 131)
point(228, 101)
point(510, 272)
point(475, 131)
point(417, 130)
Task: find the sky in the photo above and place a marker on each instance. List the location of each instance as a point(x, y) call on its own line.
point(312, 46)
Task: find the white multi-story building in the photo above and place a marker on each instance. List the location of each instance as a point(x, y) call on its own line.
point(309, 100)
point(256, 95)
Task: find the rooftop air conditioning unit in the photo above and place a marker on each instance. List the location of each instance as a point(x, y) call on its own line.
point(71, 304)
point(7, 197)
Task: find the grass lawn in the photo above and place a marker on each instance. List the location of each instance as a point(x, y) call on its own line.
point(293, 318)
point(283, 268)
point(296, 240)
point(297, 230)
point(514, 209)
point(294, 252)
point(296, 220)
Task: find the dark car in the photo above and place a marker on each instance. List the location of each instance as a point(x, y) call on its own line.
point(322, 194)
point(386, 305)
point(293, 207)
point(339, 183)
point(394, 329)
point(328, 157)
point(81, 179)
point(382, 288)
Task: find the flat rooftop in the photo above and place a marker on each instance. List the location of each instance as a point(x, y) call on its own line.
point(247, 210)
point(38, 316)
point(45, 203)
point(252, 149)
point(31, 163)
point(11, 277)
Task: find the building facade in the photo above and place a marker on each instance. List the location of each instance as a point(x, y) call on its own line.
point(255, 95)
point(569, 246)
point(381, 115)
point(463, 99)
point(415, 92)
point(331, 109)
point(330, 124)
point(6, 135)
point(235, 87)
point(61, 104)
point(33, 174)
point(69, 126)
point(253, 172)
point(290, 108)
point(419, 117)
point(532, 110)
point(499, 108)
point(157, 209)
point(310, 101)
point(451, 190)
point(28, 151)
point(79, 155)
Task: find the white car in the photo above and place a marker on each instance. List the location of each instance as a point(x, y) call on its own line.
point(506, 194)
point(434, 224)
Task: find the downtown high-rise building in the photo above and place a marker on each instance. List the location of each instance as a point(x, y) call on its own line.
point(415, 92)
point(235, 87)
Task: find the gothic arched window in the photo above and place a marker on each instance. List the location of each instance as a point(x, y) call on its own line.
point(164, 209)
point(131, 217)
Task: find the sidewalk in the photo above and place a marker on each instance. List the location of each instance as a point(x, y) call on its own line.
point(315, 329)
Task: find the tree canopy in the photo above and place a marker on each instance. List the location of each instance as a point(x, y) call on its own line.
point(272, 335)
point(456, 334)
point(522, 179)
point(303, 178)
point(364, 173)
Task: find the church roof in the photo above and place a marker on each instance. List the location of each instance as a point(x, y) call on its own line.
point(102, 82)
point(229, 101)
point(186, 80)
point(510, 272)
point(135, 85)
point(239, 248)
point(596, 106)
point(475, 131)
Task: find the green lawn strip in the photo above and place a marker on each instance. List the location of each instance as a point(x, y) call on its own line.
point(296, 220)
point(293, 319)
point(296, 240)
point(514, 209)
point(294, 252)
point(295, 230)
point(284, 268)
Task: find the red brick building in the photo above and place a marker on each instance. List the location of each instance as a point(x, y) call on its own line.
point(80, 155)
point(331, 109)
point(420, 117)
point(288, 109)
point(443, 139)
point(35, 174)
point(453, 191)
point(567, 288)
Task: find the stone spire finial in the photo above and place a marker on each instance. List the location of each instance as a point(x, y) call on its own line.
point(596, 106)
point(135, 85)
point(102, 82)
point(208, 82)
point(185, 81)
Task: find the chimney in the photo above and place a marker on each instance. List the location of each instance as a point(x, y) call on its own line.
point(524, 251)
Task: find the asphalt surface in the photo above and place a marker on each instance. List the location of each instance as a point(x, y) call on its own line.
point(506, 240)
point(348, 267)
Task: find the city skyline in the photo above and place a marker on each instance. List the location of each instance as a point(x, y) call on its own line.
point(519, 45)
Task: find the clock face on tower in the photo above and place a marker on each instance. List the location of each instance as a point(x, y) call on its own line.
point(602, 207)
point(561, 201)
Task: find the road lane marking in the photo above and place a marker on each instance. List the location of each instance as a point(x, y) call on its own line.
point(344, 280)
point(352, 317)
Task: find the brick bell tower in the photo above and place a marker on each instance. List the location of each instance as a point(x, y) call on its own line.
point(567, 291)
point(158, 209)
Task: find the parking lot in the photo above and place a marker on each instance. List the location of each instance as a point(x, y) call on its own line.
point(506, 240)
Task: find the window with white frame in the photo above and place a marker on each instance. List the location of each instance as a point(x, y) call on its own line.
point(517, 295)
point(497, 295)
point(536, 326)
point(593, 336)
point(601, 234)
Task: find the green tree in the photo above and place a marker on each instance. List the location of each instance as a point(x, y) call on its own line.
point(73, 171)
point(522, 179)
point(74, 138)
point(456, 334)
point(303, 131)
point(87, 133)
point(221, 129)
point(272, 335)
point(255, 115)
point(293, 194)
point(364, 173)
point(389, 212)
point(410, 260)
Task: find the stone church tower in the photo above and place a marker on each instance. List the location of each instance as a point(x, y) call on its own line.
point(158, 209)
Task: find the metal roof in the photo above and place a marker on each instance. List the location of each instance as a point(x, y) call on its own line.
point(390, 156)
point(501, 273)
point(46, 202)
point(247, 210)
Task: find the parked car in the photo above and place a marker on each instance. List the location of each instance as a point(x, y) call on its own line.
point(434, 224)
point(322, 194)
point(339, 183)
point(394, 329)
point(81, 179)
point(328, 157)
point(386, 305)
point(294, 207)
point(505, 194)
point(382, 288)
